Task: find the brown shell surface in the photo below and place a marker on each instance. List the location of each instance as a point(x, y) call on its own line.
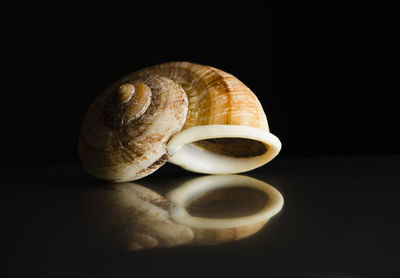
point(106, 148)
point(215, 97)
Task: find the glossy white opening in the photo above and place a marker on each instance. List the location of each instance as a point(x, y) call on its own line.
point(193, 158)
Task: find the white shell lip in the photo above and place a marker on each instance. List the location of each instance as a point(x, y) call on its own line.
point(181, 195)
point(199, 160)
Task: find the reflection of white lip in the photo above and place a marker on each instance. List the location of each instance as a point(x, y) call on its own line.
point(183, 194)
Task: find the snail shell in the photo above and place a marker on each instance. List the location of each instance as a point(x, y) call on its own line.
point(195, 116)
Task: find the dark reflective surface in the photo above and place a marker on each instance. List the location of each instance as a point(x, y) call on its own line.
point(340, 219)
point(134, 217)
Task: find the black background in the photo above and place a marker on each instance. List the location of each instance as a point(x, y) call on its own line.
point(323, 71)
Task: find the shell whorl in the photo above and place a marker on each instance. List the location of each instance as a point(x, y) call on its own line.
point(126, 103)
point(125, 130)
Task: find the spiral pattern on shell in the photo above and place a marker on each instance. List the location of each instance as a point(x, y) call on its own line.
point(195, 116)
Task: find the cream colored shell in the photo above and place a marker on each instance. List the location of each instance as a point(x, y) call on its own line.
point(225, 129)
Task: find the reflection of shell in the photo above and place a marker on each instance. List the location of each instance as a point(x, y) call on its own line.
point(135, 216)
point(217, 230)
point(224, 131)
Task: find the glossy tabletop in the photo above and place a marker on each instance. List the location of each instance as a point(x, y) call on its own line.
point(340, 219)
